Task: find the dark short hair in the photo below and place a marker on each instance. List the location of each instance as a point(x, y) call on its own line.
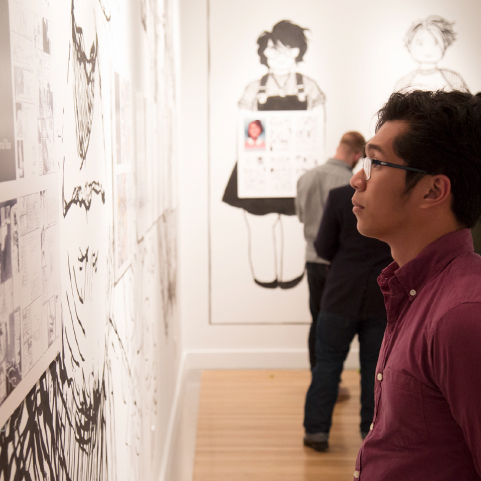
point(444, 137)
point(287, 33)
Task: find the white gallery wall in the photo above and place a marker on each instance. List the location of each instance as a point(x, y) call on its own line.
point(90, 348)
point(357, 56)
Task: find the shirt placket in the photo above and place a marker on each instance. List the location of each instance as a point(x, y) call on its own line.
point(394, 308)
point(397, 302)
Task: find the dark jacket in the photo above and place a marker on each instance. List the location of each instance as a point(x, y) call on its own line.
point(356, 261)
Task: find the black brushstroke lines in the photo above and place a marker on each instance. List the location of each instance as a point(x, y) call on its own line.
point(82, 196)
point(108, 16)
point(143, 13)
point(84, 87)
point(117, 340)
point(65, 428)
point(61, 431)
point(88, 267)
point(75, 321)
point(168, 265)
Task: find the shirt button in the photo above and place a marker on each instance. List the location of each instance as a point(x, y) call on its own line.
point(372, 425)
point(356, 474)
point(379, 376)
point(412, 292)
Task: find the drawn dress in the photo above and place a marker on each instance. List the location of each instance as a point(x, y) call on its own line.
point(298, 92)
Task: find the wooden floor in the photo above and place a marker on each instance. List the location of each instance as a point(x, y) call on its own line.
point(250, 428)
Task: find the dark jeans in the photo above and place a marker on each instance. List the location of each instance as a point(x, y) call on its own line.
point(316, 279)
point(334, 336)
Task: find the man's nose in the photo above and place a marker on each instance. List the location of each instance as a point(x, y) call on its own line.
point(358, 180)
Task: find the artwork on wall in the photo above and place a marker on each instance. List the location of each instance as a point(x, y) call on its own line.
point(278, 108)
point(7, 120)
point(275, 149)
point(282, 88)
point(347, 77)
point(97, 412)
point(427, 41)
point(84, 63)
point(30, 294)
point(122, 173)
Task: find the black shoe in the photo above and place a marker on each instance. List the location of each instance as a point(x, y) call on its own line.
point(267, 285)
point(320, 446)
point(292, 283)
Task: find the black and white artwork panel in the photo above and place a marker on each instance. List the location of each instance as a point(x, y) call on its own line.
point(352, 59)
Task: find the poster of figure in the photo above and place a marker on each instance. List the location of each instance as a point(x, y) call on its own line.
point(427, 41)
point(29, 208)
point(283, 88)
point(33, 94)
point(29, 282)
point(10, 351)
point(275, 149)
point(7, 122)
point(26, 133)
point(280, 133)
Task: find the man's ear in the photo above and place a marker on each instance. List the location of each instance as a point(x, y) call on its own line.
point(437, 189)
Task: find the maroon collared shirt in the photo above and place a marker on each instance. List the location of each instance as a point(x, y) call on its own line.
point(427, 419)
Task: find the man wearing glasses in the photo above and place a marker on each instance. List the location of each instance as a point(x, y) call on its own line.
point(420, 192)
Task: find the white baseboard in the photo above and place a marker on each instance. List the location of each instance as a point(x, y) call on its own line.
point(165, 465)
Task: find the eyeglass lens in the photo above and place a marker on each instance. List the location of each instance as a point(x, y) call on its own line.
point(366, 164)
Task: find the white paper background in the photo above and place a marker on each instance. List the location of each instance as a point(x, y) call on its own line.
point(356, 54)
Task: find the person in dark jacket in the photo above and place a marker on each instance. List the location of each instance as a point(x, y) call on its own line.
point(352, 304)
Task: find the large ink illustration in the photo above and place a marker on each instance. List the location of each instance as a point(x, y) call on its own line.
point(92, 414)
point(282, 88)
point(427, 41)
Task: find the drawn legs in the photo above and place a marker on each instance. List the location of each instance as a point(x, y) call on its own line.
point(275, 250)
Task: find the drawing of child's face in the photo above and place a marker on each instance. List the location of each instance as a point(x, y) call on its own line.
point(254, 131)
point(425, 48)
point(280, 56)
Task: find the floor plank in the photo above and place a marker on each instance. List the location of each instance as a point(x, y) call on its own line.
point(250, 428)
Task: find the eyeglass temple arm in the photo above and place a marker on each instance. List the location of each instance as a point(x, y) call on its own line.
point(397, 166)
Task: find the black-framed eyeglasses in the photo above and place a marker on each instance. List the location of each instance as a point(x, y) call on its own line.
point(367, 162)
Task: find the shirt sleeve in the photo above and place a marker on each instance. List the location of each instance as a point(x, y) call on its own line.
point(457, 369)
point(455, 80)
point(327, 239)
point(298, 201)
point(249, 98)
point(314, 94)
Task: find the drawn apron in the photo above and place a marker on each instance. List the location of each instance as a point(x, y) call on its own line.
point(265, 205)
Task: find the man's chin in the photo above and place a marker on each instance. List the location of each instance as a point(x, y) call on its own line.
point(365, 231)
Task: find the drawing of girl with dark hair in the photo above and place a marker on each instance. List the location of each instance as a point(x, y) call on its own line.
point(281, 88)
point(427, 41)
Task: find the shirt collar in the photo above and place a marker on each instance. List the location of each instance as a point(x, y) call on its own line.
point(333, 160)
point(433, 259)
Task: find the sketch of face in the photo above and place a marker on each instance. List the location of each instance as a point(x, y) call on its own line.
point(280, 58)
point(254, 131)
point(426, 48)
